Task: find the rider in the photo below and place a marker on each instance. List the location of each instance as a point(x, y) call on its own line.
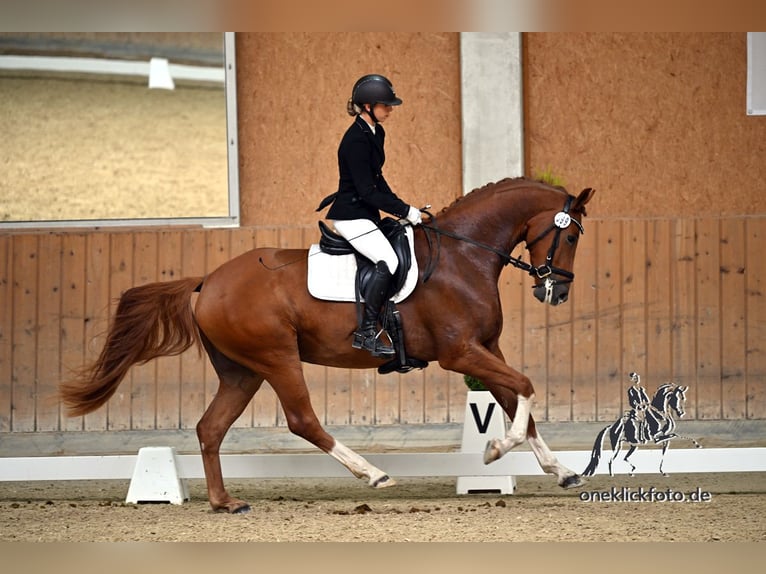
point(639, 403)
point(363, 193)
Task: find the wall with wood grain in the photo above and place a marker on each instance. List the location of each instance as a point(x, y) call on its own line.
point(679, 299)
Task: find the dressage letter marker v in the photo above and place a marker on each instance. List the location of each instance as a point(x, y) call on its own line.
point(482, 425)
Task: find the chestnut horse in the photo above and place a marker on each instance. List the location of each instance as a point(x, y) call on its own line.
point(257, 321)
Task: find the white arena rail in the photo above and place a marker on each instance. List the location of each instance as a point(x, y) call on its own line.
point(160, 67)
point(522, 463)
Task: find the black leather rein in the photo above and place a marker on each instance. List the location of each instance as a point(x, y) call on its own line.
point(561, 221)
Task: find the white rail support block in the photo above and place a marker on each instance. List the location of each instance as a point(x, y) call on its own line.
point(156, 477)
point(159, 74)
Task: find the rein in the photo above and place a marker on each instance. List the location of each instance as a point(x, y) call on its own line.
point(561, 221)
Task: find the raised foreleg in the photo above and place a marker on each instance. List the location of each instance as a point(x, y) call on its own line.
point(515, 394)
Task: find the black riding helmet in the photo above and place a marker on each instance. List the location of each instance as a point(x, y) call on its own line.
point(374, 89)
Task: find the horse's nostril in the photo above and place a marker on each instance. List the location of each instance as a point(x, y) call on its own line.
point(563, 297)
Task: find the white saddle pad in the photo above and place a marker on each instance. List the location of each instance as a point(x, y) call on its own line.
point(333, 277)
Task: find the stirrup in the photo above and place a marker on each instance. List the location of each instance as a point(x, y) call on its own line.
point(370, 341)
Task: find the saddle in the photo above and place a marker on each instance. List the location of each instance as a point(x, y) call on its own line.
point(334, 244)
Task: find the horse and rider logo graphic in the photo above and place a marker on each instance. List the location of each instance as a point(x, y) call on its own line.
point(646, 422)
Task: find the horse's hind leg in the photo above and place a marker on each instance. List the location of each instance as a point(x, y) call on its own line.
point(290, 386)
point(236, 388)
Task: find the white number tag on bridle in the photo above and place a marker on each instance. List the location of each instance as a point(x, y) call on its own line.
point(562, 220)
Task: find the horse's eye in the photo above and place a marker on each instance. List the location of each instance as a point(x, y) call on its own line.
point(571, 239)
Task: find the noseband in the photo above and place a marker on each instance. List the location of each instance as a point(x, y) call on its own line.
point(562, 220)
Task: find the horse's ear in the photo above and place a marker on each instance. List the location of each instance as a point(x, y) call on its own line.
point(584, 197)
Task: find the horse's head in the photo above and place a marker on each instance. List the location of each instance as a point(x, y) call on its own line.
point(552, 241)
point(670, 397)
point(677, 400)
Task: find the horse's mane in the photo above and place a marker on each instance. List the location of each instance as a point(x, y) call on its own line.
point(500, 186)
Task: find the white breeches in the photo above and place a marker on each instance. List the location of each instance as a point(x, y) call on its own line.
point(368, 240)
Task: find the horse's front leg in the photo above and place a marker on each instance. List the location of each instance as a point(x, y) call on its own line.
point(511, 397)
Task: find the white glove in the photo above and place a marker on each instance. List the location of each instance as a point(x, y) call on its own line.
point(413, 216)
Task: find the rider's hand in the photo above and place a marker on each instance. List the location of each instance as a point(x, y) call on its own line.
point(413, 216)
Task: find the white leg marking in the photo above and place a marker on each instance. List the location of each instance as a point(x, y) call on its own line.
point(550, 464)
point(516, 435)
point(359, 467)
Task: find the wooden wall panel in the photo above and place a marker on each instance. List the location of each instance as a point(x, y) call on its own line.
point(144, 377)
point(73, 278)
point(673, 299)
point(48, 323)
point(659, 364)
point(96, 310)
point(684, 308)
point(583, 298)
point(755, 305)
point(733, 319)
point(23, 374)
point(6, 330)
point(633, 304)
point(119, 407)
point(609, 373)
point(169, 383)
point(708, 314)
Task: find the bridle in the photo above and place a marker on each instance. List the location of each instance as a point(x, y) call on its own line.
point(561, 221)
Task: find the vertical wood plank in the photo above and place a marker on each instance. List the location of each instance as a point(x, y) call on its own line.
point(634, 336)
point(560, 363)
point(387, 399)
point(362, 385)
point(684, 309)
point(733, 318)
point(169, 389)
point(120, 280)
point(97, 305)
point(48, 353)
point(265, 403)
point(583, 301)
point(436, 395)
point(144, 392)
point(609, 369)
point(6, 330)
point(708, 319)
point(412, 393)
point(72, 315)
point(25, 296)
point(457, 393)
point(659, 278)
point(192, 362)
point(756, 318)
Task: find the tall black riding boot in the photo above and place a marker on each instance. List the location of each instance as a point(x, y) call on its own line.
point(367, 337)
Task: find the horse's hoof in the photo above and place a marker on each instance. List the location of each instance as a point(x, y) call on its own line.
point(238, 507)
point(573, 481)
point(491, 452)
point(384, 482)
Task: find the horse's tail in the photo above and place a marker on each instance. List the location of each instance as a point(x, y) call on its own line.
point(595, 455)
point(151, 321)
